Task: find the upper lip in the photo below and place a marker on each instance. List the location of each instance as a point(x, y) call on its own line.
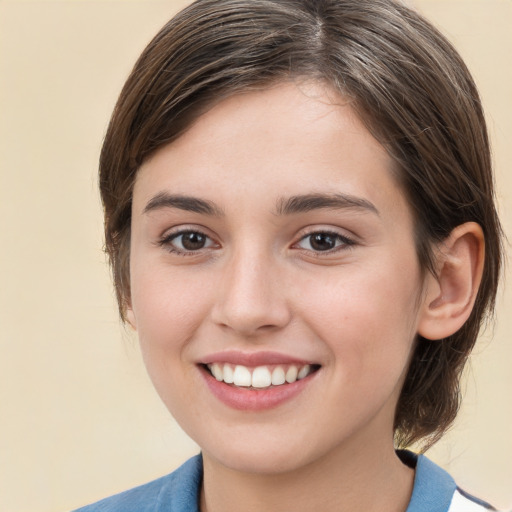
point(251, 359)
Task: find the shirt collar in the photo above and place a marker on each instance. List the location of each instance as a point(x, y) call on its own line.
point(433, 486)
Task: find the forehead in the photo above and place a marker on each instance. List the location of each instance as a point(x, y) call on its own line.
point(284, 140)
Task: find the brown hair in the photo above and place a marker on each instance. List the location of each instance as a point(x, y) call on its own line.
point(407, 83)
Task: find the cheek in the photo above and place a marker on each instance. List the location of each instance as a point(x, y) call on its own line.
point(168, 306)
point(367, 316)
point(169, 310)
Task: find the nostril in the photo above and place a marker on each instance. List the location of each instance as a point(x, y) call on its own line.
point(250, 322)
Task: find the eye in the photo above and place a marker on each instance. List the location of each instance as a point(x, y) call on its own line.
point(324, 241)
point(187, 241)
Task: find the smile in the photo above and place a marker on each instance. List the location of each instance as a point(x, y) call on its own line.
point(259, 377)
point(257, 381)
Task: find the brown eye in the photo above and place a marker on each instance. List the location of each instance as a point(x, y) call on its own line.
point(193, 241)
point(324, 241)
point(188, 241)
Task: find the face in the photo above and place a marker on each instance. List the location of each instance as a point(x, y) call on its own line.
point(275, 286)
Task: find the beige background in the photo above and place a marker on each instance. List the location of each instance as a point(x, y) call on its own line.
point(79, 419)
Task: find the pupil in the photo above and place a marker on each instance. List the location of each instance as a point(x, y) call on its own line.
point(193, 241)
point(322, 242)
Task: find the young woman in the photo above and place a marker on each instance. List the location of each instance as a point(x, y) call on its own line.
point(299, 212)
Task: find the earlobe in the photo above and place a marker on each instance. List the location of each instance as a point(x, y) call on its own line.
point(130, 318)
point(450, 296)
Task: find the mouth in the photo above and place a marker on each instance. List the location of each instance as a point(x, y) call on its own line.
point(258, 381)
point(261, 377)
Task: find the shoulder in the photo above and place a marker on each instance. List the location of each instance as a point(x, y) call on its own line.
point(177, 492)
point(436, 491)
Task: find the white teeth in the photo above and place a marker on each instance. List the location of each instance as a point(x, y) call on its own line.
point(259, 377)
point(228, 374)
point(303, 372)
point(291, 374)
point(278, 376)
point(242, 376)
point(217, 371)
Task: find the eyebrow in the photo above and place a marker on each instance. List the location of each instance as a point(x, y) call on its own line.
point(308, 202)
point(284, 206)
point(181, 202)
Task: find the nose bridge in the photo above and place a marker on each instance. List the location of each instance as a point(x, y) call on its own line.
point(250, 297)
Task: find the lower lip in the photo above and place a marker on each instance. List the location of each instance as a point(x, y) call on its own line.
point(247, 399)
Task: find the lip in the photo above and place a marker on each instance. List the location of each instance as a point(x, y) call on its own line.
point(249, 399)
point(253, 359)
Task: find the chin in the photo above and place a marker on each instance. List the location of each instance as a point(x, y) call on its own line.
point(262, 455)
point(261, 462)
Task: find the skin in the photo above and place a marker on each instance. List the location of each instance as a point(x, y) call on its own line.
point(258, 284)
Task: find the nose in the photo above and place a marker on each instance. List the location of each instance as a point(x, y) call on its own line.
point(252, 298)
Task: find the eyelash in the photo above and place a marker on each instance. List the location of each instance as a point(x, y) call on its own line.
point(344, 242)
point(167, 242)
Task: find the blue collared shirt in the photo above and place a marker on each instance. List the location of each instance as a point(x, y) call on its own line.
point(434, 491)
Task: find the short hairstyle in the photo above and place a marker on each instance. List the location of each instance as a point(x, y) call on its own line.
point(408, 85)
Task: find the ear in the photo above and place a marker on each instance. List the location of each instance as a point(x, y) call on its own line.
point(130, 317)
point(450, 296)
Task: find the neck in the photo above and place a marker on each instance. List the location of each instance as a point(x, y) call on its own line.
point(369, 479)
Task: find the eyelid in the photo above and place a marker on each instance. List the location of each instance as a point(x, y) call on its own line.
point(166, 239)
point(347, 241)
